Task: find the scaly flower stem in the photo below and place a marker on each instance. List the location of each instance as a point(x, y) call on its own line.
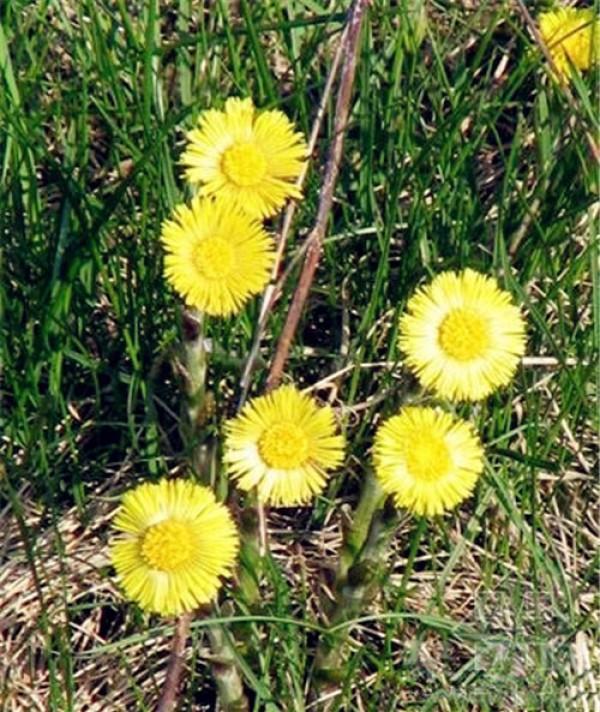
point(361, 585)
point(224, 667)
point(250, 552)
point(194, 375)
point(195, 359)
point(371, 499)
point(194, 364)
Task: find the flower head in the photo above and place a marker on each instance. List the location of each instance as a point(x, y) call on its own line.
point(283, 444)
point(176, 543)
point(217, 256)
point(573, 38)
point(462, 335)
point(427, 460)
point(250, 159)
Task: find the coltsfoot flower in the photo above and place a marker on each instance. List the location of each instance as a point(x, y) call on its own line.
point(427, 460)
point(217, 256)
point(249, 158)
point(175, 544)
point(573, 38)
point(462, 335)
point(284, 444)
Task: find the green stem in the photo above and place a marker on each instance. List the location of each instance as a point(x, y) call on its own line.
point(225, 670)
point(196, 402)
point(371, 499)
point(250, 555)
point(194, 356)
point(196, 406)
point(358, 587)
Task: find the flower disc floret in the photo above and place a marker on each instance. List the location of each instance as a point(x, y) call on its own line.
point(168, 545)
point(284, 444)
point(462, 335)
point(217, 256)
point(250, 159)
point(174, 544)
point(572, 37)
point(244, 164)
point(427, 460)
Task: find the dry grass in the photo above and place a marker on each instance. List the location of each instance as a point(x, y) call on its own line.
point(499, 609)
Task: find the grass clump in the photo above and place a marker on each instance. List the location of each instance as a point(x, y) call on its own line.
point(462, 150)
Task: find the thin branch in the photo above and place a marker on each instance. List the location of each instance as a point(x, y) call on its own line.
point(315, 238)
point(274, 287)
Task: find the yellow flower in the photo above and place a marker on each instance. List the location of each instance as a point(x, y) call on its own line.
point(176, 543)
point(462, 335)
point(283, 444)
point(251, 160)
point(427, 460)
point(572, 37)
point(217, 256)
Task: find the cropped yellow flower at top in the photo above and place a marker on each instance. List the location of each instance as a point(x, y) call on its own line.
point(249, 158)
point(573, 38)
point(427, 460)
point(283, 444)
point(175, 543)
point(462, 335)
point(217, 256)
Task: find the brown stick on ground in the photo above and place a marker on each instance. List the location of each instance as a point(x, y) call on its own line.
point(315, 238)
point(176, 659)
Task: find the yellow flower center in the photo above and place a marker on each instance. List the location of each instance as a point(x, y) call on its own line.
point(427, 457)
point(283, 446)
point(464, 335)
point(214, 258)
point(244, 164)
point(168, 545)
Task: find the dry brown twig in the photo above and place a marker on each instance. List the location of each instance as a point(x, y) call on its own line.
point(314, 240)
point(274, 286)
